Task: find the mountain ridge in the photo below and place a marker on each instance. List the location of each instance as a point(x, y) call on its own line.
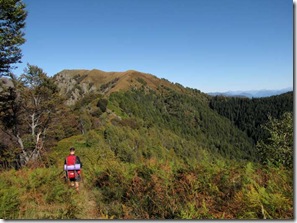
point(252, 93)
point(76, 83)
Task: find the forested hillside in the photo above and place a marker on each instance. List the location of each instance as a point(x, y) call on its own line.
point(156, 103)
point(249, 114)
point(150, 151)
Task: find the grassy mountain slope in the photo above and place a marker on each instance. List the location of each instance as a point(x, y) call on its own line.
point(150, 150)
point(150, 101)
point(75, 83)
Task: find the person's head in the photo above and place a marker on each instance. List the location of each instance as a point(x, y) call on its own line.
point(72, 150)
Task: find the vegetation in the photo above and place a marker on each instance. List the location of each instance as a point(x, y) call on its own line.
point(12, 17)
point(250, 114)
point(139, 168)
point(188, 117)
point(150, 149)
point(278, 148)
point(152, 188)
point(27, 110)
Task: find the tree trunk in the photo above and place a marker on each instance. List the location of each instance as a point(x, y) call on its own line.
point(24, 156)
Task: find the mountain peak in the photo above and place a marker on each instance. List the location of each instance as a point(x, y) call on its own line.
point(76, 83)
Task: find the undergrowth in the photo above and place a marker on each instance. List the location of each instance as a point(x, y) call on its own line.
point(152, 188)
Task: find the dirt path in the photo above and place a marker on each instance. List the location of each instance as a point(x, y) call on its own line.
point(87, 208)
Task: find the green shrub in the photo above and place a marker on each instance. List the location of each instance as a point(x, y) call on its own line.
point(92, 139)
point(102, 104)
point(9, 202)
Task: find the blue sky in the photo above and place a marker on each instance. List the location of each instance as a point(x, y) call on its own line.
point(210, 45)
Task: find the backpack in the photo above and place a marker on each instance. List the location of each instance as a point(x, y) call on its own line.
point(71, 166)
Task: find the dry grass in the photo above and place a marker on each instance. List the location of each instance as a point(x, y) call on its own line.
point(125, 80)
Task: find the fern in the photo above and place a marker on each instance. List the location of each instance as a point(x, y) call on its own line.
point(9, 203)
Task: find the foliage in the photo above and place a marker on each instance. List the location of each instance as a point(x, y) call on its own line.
point(152, 187)
point(12, 17)
point(37, 194)
point(278, 148)
point(9, 201)
point(186, 116)
point(250, 114)
point(27, 110)
point(102, 104)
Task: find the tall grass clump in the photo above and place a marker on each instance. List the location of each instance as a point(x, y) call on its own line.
point(39, 193)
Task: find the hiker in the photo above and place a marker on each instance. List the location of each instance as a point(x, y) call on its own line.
point(72, 167)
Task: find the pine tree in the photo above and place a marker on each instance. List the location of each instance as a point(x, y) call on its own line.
point(12, 23)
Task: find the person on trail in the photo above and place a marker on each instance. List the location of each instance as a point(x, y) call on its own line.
point(72, 167)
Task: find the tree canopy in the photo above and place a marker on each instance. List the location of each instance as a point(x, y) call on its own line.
point(27, 111)
point(12, 23)
point(278, 148)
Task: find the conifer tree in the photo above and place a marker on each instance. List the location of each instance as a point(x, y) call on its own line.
point(278, 148)
point(12, 23)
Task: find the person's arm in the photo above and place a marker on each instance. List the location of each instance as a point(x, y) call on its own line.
point(65, 163)
point(79, 162)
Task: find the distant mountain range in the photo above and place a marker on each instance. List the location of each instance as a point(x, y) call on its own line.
point(252, 93)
